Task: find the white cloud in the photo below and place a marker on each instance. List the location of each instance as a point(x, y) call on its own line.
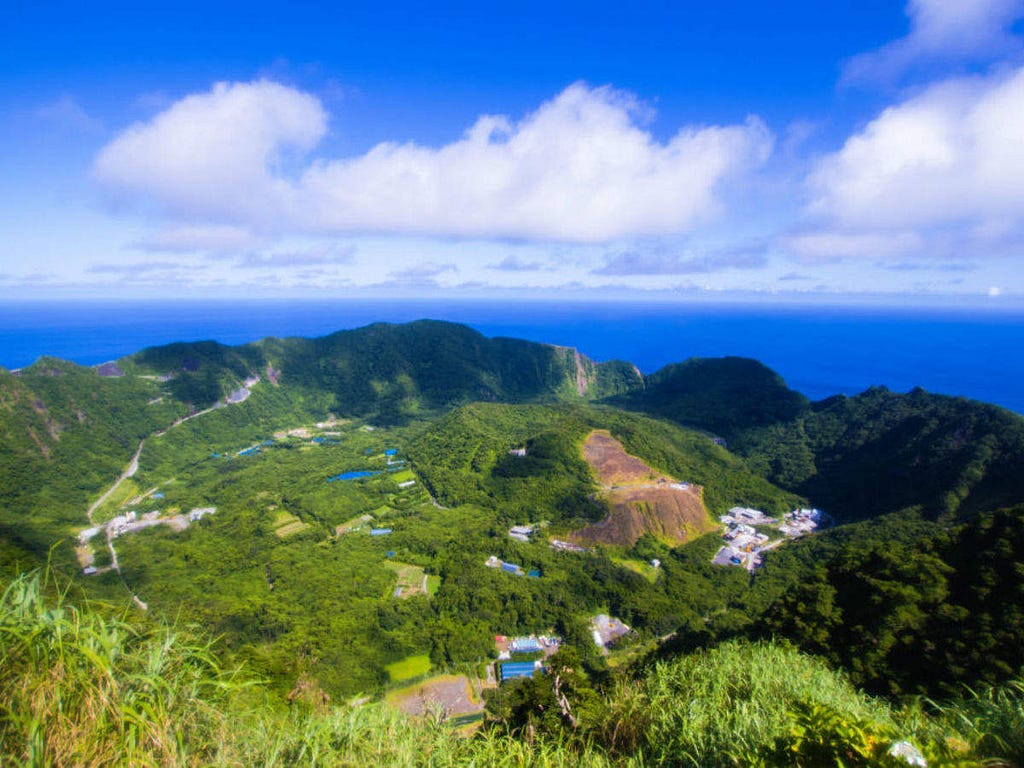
point(943, 31)
point(580, 168)
point(218, 154)
point(951, 156)
point(188, 239)
point(68, 115)
point(827, 245)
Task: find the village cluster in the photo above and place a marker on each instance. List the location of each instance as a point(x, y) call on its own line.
point(605, 630)
point(129, 522)
point(745, 545)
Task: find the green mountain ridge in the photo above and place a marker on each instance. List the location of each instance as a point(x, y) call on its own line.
point(918, 588)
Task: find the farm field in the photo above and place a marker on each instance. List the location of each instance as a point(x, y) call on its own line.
point(408, 668)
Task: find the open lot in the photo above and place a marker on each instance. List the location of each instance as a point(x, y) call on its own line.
point(611, 462)
point(411, 579)
point(451, 694)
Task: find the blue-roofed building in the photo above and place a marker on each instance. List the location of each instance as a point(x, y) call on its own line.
point(391, 452)
point(380, 531)
point(510, 568)
point(512, 669)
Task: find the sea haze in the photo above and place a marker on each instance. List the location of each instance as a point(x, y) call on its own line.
point(818, 351)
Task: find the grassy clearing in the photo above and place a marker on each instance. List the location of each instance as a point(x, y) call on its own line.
point(408, 668)
point(286, 524)
point(291, 529)
point(638, 566)
point(109, 509)
point(410, 577)
point(433, 584)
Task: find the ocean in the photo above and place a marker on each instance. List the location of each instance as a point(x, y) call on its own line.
point(819, 351)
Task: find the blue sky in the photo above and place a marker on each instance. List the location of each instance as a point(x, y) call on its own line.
point(847, 151)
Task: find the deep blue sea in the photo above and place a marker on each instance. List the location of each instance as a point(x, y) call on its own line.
point(818, 351)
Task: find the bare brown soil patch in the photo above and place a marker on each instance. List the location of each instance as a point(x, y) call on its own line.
point(451, 694)
point(642, 499)
point(611, 462)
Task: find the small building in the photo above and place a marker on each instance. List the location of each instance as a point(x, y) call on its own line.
point(89, 570)
point(514, 669)
point(517, 452)
point(380, 531)
point(199, 512)
point(391, 452)
point(88, 533)
point(520, 532)
point(655, 563)
point(511, 568)
point(525, 645)
point(607, 629)
point(407, 484)
point(493, 562)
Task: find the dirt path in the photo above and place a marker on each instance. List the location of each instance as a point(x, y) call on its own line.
point(130, 470)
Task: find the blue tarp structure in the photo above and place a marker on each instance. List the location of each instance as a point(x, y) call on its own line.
point(352, 475)
point(533, 573)
point(510, 567)
point(391, 452)
point(380, 531)
point(512, 669)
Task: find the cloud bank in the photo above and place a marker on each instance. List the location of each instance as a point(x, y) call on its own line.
point(580, 168)
point(942, 172)
point(943, 31)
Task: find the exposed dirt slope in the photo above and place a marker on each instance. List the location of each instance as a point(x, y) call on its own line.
point(642, 499)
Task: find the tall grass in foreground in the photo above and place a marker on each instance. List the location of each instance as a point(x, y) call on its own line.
point(81, 688)
point(724, 706)
point(85, 687)
point(992, 720)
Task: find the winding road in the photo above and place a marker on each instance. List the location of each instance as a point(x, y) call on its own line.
point(238, 396)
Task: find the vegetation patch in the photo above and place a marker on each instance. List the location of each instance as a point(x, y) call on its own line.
point(286, 524)
point(411, 579)
point(125, 492)
point(645, 569)
point(408, 668)
point(433, 584)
